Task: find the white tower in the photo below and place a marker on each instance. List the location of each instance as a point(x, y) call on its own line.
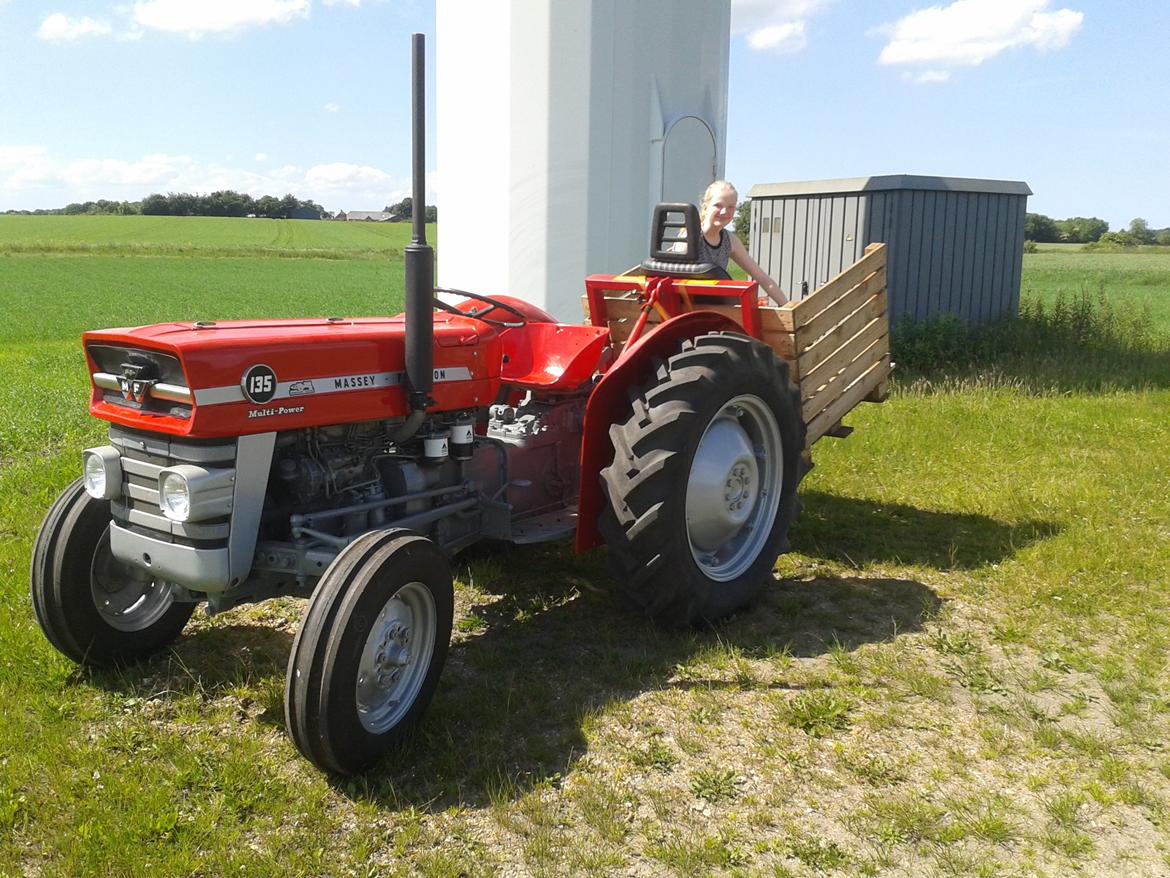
point(561, 123)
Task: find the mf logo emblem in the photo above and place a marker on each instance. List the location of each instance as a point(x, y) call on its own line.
point(135, 388)
point(259, 384)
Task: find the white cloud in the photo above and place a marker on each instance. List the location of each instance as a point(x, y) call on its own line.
point(354, 3)
point(197, 19)
point(775, 25)
point(331, 107)
point(782, 38)
point(31, 176)
point(261, 156)
point(61, 28)
point(968, 32)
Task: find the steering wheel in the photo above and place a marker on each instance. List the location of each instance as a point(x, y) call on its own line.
point(478, 313)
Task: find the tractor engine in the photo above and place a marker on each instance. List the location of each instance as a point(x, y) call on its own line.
point(509, 477)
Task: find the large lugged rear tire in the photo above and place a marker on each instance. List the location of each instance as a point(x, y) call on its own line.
point(702, 488)
point(92, 608)
point(370, 649)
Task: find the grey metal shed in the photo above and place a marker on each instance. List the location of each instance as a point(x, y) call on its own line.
point(956, 245)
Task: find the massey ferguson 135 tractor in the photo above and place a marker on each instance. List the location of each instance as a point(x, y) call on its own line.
point(344, 460)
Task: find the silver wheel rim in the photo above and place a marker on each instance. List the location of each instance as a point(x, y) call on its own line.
point(396, 658)
point(733, 489)
point(127, 598)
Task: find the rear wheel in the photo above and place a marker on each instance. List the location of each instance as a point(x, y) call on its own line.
point(367, 658)
point(92, 607)
point(702, 488)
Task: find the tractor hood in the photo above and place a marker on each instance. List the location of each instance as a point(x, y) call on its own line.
point(224, 379)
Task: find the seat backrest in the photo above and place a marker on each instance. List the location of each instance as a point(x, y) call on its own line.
point(674, 236)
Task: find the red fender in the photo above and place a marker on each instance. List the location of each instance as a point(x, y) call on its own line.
point(610, 402)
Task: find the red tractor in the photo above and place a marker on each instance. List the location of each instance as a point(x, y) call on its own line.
point(345, 460)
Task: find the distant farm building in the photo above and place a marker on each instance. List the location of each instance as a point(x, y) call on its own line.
point(955, 245)
point(366, 216)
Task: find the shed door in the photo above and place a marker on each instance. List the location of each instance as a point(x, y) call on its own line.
point(688, 161)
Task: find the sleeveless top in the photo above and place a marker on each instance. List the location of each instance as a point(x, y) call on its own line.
point(716, 255)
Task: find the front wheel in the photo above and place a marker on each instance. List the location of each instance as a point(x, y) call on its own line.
point(370, 649)
point(702, 488)
point(92, 607)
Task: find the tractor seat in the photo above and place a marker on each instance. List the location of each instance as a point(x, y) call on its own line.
point(674, 233)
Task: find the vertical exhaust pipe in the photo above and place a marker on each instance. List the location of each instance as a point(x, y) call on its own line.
point(420, 257)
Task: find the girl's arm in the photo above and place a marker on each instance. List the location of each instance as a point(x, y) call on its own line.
point(743, 260)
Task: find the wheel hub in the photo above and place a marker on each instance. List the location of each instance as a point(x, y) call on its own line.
point(390, 672)
point(733, 488)
point(127, 599)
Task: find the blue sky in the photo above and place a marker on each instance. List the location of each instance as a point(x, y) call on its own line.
point(119, 98)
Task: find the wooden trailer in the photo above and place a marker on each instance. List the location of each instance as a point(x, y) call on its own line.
point(835, 340)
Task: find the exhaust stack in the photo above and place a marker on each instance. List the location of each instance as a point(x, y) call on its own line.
point(419, 256)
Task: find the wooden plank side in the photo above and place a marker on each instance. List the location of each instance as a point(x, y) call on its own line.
point(853, 395)
point(811, 332)
point(843, 356)
point(827, 345)
point(804, 311)
point(837, 384)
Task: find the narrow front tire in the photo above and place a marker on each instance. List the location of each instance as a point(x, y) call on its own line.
point(367, 658)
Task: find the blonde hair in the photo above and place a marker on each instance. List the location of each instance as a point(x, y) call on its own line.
point(709, 194)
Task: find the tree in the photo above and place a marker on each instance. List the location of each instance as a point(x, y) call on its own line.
point(1082, 229)
point(267, 206)
point(743, 222)
point(1120, 239)
point(155, 205)
point(1041, 229)
point(402, 209)
point(1139, 230)
point(1163, 238)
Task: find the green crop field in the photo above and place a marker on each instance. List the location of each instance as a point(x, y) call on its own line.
point(163, 234)
point(963, 668)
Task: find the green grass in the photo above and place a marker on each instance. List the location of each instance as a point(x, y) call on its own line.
point(160, 235)
point(961, 669)
point(1140, 279)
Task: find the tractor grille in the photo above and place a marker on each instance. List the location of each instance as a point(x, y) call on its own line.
point(144, 455)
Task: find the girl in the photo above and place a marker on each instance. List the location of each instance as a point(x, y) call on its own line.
point(717, 243)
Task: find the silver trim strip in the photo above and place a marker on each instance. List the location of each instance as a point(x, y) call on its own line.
point(318, 386)
point(169, 392)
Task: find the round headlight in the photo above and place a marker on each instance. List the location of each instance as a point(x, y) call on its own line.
point(94, 477)
point(174, 497)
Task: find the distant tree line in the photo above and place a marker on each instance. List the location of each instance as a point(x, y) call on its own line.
point(401, 210)
point(225, 202)
point(1090, 230)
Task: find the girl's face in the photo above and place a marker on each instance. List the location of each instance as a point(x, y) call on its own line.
point(721, 210)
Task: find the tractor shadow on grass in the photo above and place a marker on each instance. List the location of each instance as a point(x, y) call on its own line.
point(859, 532)
point(543, 641)
point(209, 660)
point(551, 642)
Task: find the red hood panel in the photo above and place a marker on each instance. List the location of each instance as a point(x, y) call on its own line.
point(302, 373)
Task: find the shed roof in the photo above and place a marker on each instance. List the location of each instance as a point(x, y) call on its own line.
point(891, 181)
point(377, 215)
